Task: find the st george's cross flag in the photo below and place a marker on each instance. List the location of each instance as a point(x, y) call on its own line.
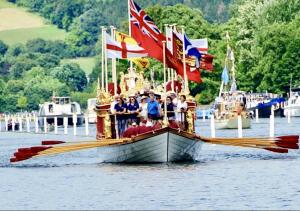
point(122, 50)
point(142, 63)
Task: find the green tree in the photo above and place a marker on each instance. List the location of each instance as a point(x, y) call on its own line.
point(72, 75)
point(22, 102)
point(3, 48)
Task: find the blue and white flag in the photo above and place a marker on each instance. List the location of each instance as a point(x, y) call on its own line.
point(225, 76)
point(192, 51)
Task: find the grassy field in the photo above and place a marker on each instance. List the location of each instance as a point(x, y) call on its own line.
point(18, 26)
point(86, 63)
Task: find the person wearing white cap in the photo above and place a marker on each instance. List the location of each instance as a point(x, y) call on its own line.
point(143, 109)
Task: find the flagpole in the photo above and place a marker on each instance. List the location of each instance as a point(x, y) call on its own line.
point(129, 30)
point(186, 83)
point(102, 56)
point(167, 43)
point(106, 71)
point(175, 73)
point(165, 84)
point(113, 62)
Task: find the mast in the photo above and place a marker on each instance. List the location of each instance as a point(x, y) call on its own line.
point(165, 84)
point(113, 61)
point(186, 83)
point(129, 30)
point(102, 56)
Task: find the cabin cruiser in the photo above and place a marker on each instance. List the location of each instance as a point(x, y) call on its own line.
point(91, 105)
point(60, 107)
point(293, 103)
point(264, 102)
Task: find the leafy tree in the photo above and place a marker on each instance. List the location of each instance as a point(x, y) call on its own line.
point(72, 75)
point(3, 48)
point(22, 102)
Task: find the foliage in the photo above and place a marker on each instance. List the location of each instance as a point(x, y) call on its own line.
point(3, 48)
point(72, 75)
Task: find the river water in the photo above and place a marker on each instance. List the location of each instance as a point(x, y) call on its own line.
point(223, 178)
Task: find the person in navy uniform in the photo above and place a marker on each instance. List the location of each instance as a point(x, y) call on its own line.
point(120, 110)
point(133, 110)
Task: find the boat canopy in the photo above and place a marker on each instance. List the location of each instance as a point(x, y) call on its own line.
point(61, 100)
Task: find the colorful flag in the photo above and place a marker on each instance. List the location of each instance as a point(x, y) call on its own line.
point(139, 18)
point(122, 50)
point(201, 45)
point(142, 63)
point(192, 51)
point(225, 76)
point(149, 37)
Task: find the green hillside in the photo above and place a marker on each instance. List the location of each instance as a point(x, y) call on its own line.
point(18, 25)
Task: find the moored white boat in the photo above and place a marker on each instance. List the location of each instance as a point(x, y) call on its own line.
point(293, 103)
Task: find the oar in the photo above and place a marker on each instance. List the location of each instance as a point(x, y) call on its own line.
point(27, 153)
point(279, 144)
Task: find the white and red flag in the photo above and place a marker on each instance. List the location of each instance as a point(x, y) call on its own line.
point(149, 37)
point(122, 50)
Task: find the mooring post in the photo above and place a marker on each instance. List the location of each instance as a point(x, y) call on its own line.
point(203, 115)
point(289, 115)
point(256, 115)
point(55, 125)
point(212, 126)
point(240, 127)
point(36, 122)
point(13, 123)
point(75, 124)
point(86, 120)
point(65, 125)
point(6, 122)
point(272, 122)
point(45, 125)
point(28, 123)
point(20, 123)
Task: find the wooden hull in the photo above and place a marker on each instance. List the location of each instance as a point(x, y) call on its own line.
point(232, 123)
point(165, 145)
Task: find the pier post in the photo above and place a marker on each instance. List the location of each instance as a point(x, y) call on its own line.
point(75, 124)
point(6, 122)
point(28, 124)
point(256, 115)
point(65, 125)
point(212, 126)
point(289, 115)
point(203, 115)
point(55, 125)
point(240, 127)
point(45, 125)
point(20, 123)
point(272, 110)
point(13, 123)
point(86, 119)
point(36, 122)
point(272, 122)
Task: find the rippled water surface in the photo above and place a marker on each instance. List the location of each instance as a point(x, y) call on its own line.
point(223, 178)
